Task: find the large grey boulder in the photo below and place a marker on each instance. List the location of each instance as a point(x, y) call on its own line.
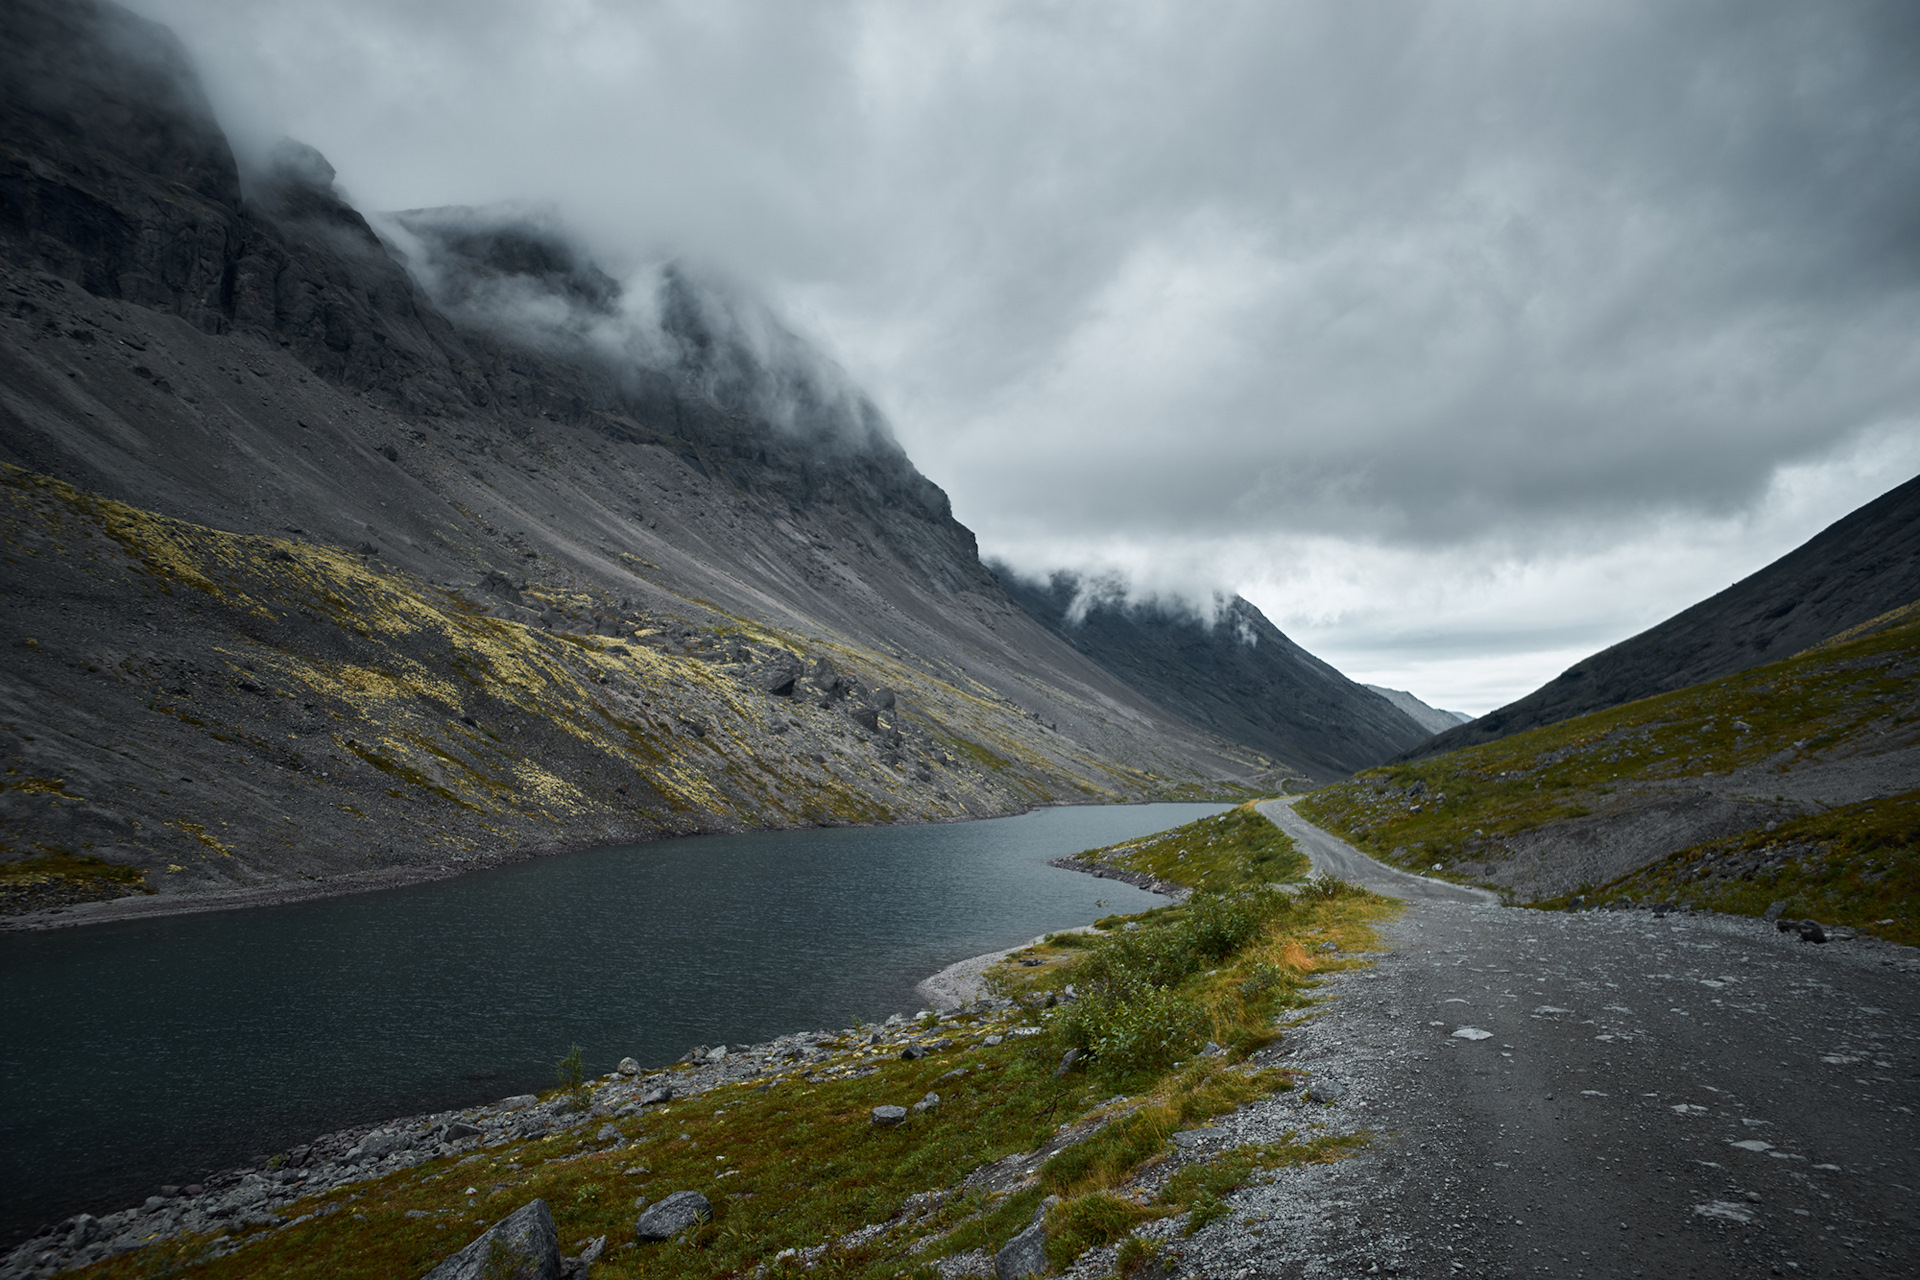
point(1024, 1255)
point(672, 1215)
point(524, 1245)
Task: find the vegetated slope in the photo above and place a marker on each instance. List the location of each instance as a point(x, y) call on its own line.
point(1791, 782)
point(1857, 568)
point(301, 434)
point(1239, 675)
point(1432, 719)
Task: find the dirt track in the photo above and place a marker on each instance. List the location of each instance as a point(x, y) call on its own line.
point(1686, 1096)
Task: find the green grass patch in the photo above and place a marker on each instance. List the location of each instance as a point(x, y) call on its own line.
point(69, 866)
point(1226, 851)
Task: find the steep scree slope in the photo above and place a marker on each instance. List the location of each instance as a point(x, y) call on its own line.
point(292, 541)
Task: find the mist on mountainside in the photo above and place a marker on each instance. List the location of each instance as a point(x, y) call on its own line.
point(1226, 667)
point(520, 272)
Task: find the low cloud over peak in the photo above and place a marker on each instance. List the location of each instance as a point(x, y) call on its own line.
point(1457, 294)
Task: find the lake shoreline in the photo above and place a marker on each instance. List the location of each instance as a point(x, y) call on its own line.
point(153, 906)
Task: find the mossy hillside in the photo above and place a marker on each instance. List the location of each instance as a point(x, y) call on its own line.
point(250, 687)
point(1849, 697)
point(1857, 865)
point(1231, 849)
point(793, 1162)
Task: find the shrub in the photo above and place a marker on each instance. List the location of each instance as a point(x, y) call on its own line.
point(1089, 1222)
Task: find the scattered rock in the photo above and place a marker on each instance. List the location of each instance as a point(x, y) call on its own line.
point(460, 1130)
point(1725, 1211)
point(913, 1051)
point(926, 1104)
point(657, 1094)
point(628, 1067)
point(1067, 1062)
point(608, 1133)
point(1773, 911)
point(1326, 1091)
point(673, 1215)
point(1810, 931)
point(524, 1245)
point(887, 1117)
point(1472, 1033)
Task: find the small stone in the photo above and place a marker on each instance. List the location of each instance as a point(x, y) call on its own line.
point(1189, 1138)
point(1211, 1050)
point(994, 1040)
point(628, 1067)
point(1067, 1062)
point(913, 1051)
point(658, 1094)
point(1326, 1091)
point(460, 1130)
point(1724, 1211)
point(608, 1133)
point(928, 1103)
point(1773, 910)
point(1810, 931)
point(1472, 1033)
point(887, 1117)
point(673, 1215)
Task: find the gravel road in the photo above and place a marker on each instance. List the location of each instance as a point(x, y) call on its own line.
point(1601, 1094)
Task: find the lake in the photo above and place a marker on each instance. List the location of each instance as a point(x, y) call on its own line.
point(157, 1050)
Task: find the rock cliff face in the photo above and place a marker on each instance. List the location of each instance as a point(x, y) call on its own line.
point(1238, 675)
point(333, 552)
point(1854, 570)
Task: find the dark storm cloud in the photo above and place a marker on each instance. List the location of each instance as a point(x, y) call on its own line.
point(1186, 289)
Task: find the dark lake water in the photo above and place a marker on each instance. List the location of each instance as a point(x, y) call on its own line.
point(152, 1051)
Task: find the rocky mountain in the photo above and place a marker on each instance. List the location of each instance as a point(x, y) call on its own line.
point(1432, 719)
point(1854, 570)
point(1235, 673)
point(338, 550)
point(1790, 783)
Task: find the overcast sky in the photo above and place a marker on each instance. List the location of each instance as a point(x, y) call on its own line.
point(1462, 338)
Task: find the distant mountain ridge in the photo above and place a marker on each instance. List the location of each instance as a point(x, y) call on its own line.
point(1432, 719)
point(1237, 674)
point(1859, 567)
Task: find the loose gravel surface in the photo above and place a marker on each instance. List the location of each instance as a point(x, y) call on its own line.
point(1600, 1094)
